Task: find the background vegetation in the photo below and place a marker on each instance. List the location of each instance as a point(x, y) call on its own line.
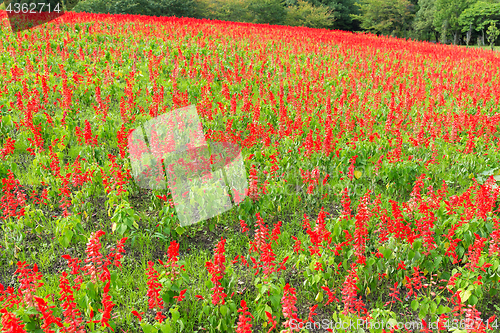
point(459, 22)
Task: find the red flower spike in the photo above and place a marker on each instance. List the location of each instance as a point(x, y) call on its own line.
point(181, 296)
point(244, 325)
point(137, 314)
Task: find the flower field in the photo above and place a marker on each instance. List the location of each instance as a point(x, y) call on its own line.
point(372, 166)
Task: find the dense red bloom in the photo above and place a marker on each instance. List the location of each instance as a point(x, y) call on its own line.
point(8, 148)
point(297, 246)
point(217, 268)
point(108, 306)
point(319, 234)
point(352, 304)
point(122, 136)
point(154, 288)
point(244, 226)
point(261, 235)
point(289, 309)
point(361, 231)
point(13, 199)
point(94, 263)
point(29, 282)
point(276, 232)
point(244, 325)
point(48, 318)
point(346, 205)
point(272, 321)
point(10, 323)
point(331, 295)
point(71, 313)
point(253, 190)
point(475, 252)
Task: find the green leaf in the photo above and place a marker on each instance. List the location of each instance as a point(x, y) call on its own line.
point(443, 309)
point(65, 239)
point(319, 297)
point(179, 230)
point(148, 328)
point(414, 305)
point(423, 310)
point(165, 327)
point(32, 311)
point(175, 314)
point(122, 228)
point(464, 295)
point(437, 261)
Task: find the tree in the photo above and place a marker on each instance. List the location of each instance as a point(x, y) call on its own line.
point(341, 9)
point(95, 6)
point(424, 19)
point(479, 16)
point(179, 8)
point(267, 11)
point(446, 17)
point(256, 11)
point(306, 15)
point(385, 16)
point(493, 33)
point(224, 10)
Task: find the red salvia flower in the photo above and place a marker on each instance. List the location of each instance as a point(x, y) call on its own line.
point(394, 294)
point(346, 205)
point(272, 321)
point(289, 309)
point(10, 323)
point(13, 199)
point(475, 252)
point(94, 264)
point(331, 295)
point(108, 306)
point(350, 174)
point(244, 226)
point(216, 268)
point(8, 148)
point(181, 296)
point(29, 282)
point(71, 313)
point(244, 319)
point(154, 288)
point(137, 314)
point(48, 318)
point(361, 232)
point(312, 313)
point(253, 190)
point(297, 246)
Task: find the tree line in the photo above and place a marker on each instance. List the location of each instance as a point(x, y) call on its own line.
point(462, 22)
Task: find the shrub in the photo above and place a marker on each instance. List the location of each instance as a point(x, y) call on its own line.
point(306, 15)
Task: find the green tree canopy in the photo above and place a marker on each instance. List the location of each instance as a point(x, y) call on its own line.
point(480, 15)
point(179, 8)
point(267, 11)
point(385, 16)
point(306, 15)
point(424, 19)
point(342, 10)
point(447, 15)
